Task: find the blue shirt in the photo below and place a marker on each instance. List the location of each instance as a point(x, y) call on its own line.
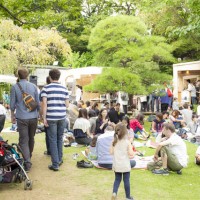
point(103, 145)
point(56, 95)
point(16, 100)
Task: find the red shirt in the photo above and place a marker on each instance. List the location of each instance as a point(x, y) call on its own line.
point(134, 124)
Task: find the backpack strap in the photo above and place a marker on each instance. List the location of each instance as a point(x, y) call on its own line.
point(20, 87)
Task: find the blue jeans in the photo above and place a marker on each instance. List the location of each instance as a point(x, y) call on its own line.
point(193, 100)
point(126, 179)
point(47, 140)
point(135, 132)
point(55, 135)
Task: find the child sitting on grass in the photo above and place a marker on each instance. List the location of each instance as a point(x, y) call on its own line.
point(136, 125)
point(90, 152)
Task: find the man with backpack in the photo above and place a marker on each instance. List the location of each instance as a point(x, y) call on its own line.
point(26, 119)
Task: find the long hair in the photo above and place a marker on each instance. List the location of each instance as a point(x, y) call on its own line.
point(120, 132)
point(82, 113)
point(126, 118)
point(100, 113)
point(140, 118)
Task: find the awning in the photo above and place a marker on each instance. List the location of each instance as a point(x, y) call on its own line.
point(8, 79)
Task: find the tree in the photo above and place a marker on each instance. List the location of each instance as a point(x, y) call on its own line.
point(178, 21)
point(122, 40)
point(20, 46)
point(113, 80)
point(64, 15)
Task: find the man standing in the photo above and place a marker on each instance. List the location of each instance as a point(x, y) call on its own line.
point(26, 120)
point(55, 102)
point(170, 154)
point(191, 88)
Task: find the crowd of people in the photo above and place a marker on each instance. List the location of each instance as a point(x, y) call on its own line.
point(107, 131)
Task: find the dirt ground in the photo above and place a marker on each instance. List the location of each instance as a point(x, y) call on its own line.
point(68, 183)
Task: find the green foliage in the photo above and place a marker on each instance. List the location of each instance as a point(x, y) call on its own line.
point(178, 21)
point(20, 46)
point(113, 80)
point(81, 60)
point(122, 40)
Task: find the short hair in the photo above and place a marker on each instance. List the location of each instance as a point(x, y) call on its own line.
point(117, 104)
point(91, 113)
point(48, 81)
point(54, 74)
point(197, 161)
point(159, 115)
point(169, 126)
point(194, 115)
point(23, 73)
point(87, 103)
point(188, 80)
point(185, 105)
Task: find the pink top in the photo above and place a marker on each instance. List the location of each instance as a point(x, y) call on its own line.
point(134, 123)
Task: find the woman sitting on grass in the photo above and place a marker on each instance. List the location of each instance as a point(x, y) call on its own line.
point(136, 125)
point(82, 128)
point(175, 119)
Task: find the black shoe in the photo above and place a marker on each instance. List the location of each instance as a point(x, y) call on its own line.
point(179, 172)
point(53, 168)
point(84, 164)
point(47, 153)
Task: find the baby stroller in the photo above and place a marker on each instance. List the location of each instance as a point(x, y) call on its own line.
point(12, 165)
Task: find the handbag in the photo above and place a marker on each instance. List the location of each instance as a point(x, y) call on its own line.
point(169, 93)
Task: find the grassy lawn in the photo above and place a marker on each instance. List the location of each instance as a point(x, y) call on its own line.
point(96, 184)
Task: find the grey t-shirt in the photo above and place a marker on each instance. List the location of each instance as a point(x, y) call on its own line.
point(187, 115)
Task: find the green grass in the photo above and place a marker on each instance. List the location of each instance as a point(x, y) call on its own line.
point(96, 184)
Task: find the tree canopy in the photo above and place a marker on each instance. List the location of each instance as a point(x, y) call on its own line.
point(113, 80)
point(20, 46)
point(121, 41)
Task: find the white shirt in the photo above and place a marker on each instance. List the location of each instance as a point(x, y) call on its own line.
point(198, 110)
point(178, 148)
point(78, 94)
point(187, 115)
point(82, 123)
point(198, 150)
point(2, 110)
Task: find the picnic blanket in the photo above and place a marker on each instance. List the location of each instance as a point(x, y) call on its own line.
point(141, 162)
point(151, 144)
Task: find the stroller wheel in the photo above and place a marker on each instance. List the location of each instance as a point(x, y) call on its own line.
point(28, 185)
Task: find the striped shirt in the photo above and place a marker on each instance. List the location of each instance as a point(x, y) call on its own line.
point(56, 95)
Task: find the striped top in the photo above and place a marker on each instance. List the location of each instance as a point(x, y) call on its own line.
point(56, 95)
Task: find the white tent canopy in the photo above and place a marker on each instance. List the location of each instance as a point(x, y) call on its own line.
point(8, 79)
